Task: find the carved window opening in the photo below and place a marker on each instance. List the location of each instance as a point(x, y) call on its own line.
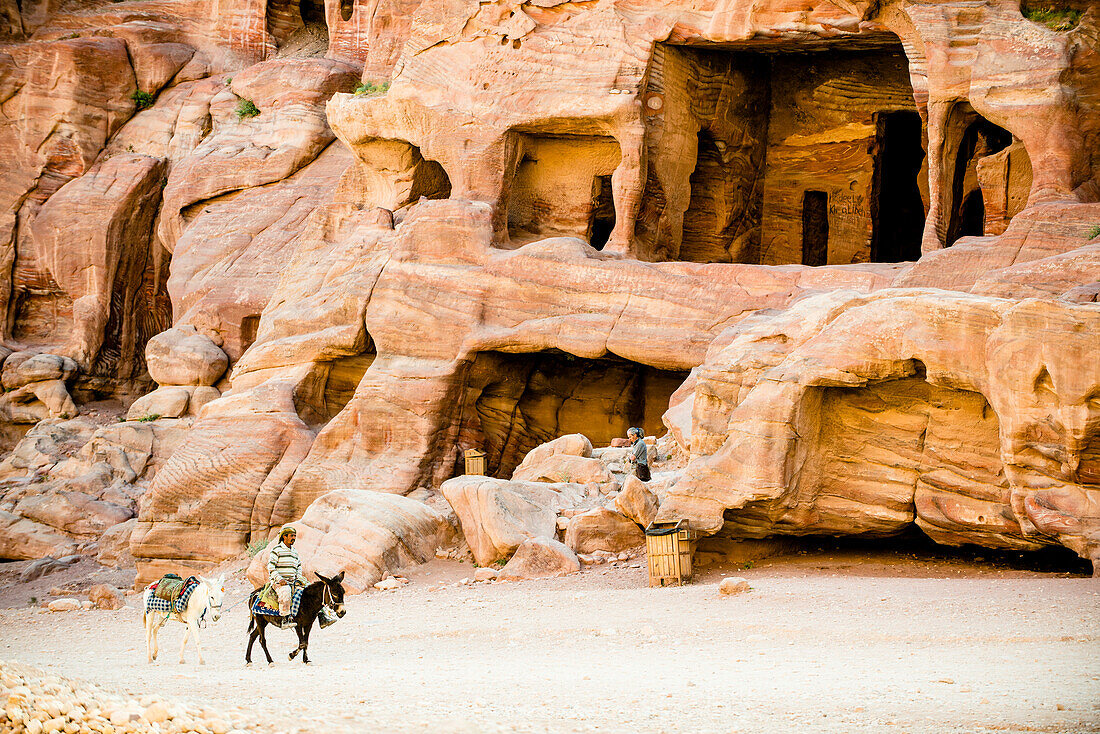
point(897, 206)
point(737, 133)
point(981, 140)
point(815, 228)
point(515, 402)
point(603, 212)
point(561, 187)
point(347, 8)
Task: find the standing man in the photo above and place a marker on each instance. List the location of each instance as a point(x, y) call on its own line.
point(284, 568)
point(639, 454)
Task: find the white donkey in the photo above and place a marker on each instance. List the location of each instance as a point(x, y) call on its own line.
point(205, 599)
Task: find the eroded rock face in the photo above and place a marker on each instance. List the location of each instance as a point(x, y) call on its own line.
point(925, 407)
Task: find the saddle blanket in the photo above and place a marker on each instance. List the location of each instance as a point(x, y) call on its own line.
point(156, 604)
point(260, 607)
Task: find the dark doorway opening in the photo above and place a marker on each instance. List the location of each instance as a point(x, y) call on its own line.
point(971, 219)
point(313, 12)
point(603, 212)
point(898, 209)
point(982, 138)
point(347, 7)
point(815, 228)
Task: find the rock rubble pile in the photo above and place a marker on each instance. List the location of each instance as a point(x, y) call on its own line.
point(39, 703)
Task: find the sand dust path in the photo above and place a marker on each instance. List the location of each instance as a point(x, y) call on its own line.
point(600, 652)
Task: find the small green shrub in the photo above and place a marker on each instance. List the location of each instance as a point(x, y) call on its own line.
point(149, 418)
point(245, 108)
point(748, 565)
point(70, 37)
point(1052, 18)
point(255, 547)
point(33, 601)
point(500, 563)
point(1094, 232)
point(370, 89)
point(143, 100)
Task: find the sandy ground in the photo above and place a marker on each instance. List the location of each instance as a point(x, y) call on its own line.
point(823, 643)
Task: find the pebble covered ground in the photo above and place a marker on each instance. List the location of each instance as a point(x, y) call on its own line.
point(817, 645)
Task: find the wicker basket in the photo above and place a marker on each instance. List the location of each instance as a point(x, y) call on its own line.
point(668, 549)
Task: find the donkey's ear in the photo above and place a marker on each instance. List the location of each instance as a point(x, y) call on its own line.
point(318, 575)
point(338, 577)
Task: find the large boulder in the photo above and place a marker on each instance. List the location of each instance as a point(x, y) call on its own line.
point(23, 368)
point(573, 444)
point(635, 502)
point(564, 468)
point(603, 529)
point(497, 515)
point(183, 356)
point(540, 558)
point(364, 534)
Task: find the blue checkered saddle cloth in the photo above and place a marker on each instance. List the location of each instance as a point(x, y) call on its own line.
point(163, 605)
point(258, 606)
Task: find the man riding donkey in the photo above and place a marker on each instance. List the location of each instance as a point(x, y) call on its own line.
point(284, 569)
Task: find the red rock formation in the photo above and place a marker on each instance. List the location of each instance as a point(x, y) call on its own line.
point(555, 213)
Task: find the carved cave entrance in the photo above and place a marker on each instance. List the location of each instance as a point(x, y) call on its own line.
point(990, 176)
point(561, 187)
point(515, 402)
point(748, 144)
point(895, 463)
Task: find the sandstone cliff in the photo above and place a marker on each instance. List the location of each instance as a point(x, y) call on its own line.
point(845, 253)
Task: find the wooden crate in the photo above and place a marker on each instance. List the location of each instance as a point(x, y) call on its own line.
point(668, 549)
point(475, 461)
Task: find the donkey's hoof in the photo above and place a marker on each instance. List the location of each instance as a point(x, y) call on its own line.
point(271, 664)
point(290, 656)
point(248, 664)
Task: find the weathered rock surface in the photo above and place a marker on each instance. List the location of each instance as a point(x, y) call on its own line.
point(539, 558)
point(367, 535)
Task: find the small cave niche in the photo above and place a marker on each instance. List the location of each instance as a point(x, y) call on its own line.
point(748, 136)
point(561, 187)
point(515, 402)
point(299, 27)
point(347, 8)
point(978, 146)
point(330, 386)
point(250, 327)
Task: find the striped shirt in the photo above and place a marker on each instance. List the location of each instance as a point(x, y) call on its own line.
point(283, 562)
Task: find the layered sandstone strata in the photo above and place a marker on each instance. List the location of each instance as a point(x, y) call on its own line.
point(558, 218)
